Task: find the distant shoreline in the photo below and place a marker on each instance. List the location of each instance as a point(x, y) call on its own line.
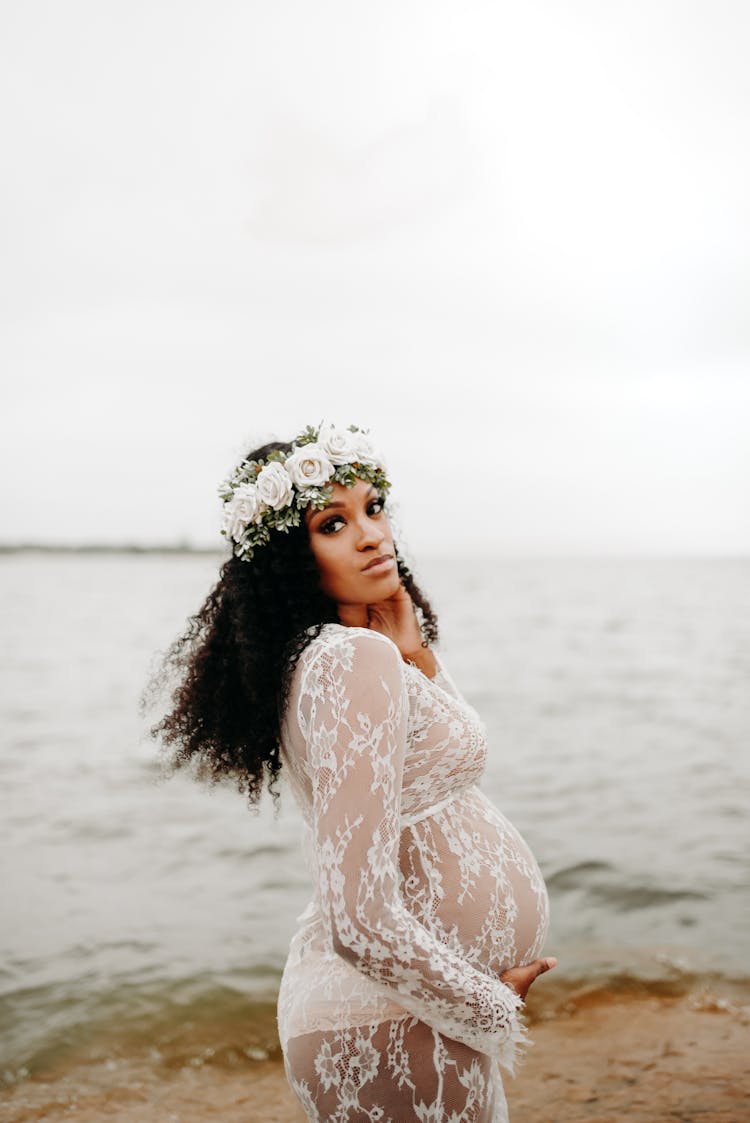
point(104, 548)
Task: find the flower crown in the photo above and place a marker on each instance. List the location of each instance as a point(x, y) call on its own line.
point(271, 494)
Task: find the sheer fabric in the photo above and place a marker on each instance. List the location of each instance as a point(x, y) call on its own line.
point(390, 1005)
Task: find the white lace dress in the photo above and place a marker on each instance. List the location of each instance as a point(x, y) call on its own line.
point(390, 1006)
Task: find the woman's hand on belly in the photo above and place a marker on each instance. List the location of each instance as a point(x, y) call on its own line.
point(520, 979)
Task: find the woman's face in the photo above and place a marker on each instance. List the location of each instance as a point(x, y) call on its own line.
point(353, 547)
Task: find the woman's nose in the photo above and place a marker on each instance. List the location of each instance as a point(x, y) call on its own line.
point(370, 534)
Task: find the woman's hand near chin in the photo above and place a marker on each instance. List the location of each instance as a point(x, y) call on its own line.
point(395, 617)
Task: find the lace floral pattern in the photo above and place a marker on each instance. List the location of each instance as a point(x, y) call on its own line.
point(390, 1006)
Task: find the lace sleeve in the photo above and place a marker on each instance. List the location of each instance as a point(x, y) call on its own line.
point(355, 729)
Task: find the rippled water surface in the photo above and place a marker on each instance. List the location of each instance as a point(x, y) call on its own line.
point(616, 696)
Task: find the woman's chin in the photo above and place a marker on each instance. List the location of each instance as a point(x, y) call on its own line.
point(384, 587)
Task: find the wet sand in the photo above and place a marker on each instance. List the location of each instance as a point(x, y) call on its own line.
point(595, 1059)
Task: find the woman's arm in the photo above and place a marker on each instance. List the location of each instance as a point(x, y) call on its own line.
point(354, 712)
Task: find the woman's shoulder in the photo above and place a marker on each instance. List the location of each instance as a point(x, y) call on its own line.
point(350, 649)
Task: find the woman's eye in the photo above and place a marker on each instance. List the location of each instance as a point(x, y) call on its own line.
point(375, 506)
point(332, 525)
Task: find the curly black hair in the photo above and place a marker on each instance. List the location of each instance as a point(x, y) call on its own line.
point(235, 660)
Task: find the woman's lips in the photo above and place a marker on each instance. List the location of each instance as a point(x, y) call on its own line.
point(377, 565)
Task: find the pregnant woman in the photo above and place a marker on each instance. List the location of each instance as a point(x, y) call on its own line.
point(312, 656)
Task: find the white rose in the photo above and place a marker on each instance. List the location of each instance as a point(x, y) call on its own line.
point(242, 509)
point(274, 486)
point(309, 466)
point(339, 445)
point(365, 451)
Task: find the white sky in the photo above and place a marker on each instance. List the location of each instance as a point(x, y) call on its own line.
point(513, 239)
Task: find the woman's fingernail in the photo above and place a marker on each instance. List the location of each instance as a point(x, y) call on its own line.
point(551, 961)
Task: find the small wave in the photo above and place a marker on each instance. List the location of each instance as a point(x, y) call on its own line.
point(627, 898)
point(603, 883)
point(86, 950)
point(93, 831)
point(573, 877)
point(231, 852)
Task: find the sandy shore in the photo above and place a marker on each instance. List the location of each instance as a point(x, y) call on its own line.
point(600, 1059)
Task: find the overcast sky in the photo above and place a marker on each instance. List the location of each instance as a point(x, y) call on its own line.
point(512, 239)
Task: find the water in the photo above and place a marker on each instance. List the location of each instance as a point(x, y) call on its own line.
point(138, 912)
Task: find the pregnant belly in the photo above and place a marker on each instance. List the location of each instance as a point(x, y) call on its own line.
point(468, 876)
